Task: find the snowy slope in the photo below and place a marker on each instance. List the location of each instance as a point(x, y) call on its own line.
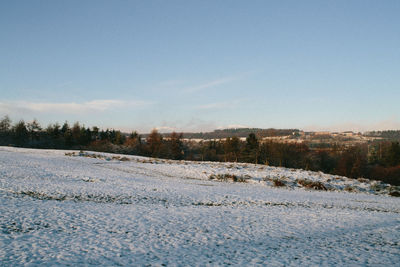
point(93, 209)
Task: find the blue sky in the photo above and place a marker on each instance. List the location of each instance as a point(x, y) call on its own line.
point(202, 65)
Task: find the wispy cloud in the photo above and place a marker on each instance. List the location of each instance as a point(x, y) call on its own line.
point(219, 105)
point(170, 83)
point(208, 84)
point(69, 107)
point(215, 83)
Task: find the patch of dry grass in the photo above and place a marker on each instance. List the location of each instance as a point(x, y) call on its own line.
point(349, 188)
point(278, 182)
point(228, 177)
point(309, 184)
point(394, 193)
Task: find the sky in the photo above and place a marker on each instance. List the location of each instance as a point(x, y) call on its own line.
point(202, 65)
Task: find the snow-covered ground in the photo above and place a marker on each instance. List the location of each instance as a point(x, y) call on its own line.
point(104, 209)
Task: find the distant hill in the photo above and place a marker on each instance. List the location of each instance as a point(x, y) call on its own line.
point(391, 134)
point(239, 132)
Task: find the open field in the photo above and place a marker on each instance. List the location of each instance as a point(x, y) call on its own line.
point(71, 208)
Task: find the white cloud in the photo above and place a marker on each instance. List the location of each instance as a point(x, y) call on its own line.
point(21, 107)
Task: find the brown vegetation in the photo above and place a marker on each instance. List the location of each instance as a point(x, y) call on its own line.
point(316, 185)
point(228, 177)
point(278, 182)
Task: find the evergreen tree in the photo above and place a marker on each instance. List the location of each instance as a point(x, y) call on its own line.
point(5, 131)
point(34, 130)
point(20, 133)
point(76, 133)
point(5, 124)
point(392, 157)
point(95, 133)
point(252, 146)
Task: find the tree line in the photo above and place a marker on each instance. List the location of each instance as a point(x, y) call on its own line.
point(76, 136)
point(240, 132)
point(389, 134)
point(378, 160)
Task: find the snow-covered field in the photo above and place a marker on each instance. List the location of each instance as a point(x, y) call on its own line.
point(112, 210)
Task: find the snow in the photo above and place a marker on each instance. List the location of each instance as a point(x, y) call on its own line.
point(99, 209)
